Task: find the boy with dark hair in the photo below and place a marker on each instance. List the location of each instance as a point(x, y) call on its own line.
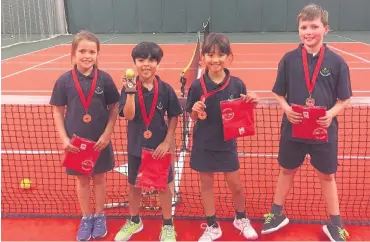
point(144, 104)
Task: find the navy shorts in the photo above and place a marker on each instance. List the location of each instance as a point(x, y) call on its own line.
point(134, 163)
point(324, 156)
point(214, 161)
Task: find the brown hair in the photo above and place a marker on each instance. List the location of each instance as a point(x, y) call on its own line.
point(313, 11)
point(83, 35)
point(216, 40)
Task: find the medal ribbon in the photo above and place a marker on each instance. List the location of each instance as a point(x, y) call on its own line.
point(147, 119)
point(208, 94)
point(85, 103)
point(311, 84)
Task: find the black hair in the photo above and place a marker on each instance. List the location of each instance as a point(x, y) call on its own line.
point(147, 50)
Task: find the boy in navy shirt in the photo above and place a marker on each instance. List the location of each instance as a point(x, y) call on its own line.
point(297, 82)
point(152, 132)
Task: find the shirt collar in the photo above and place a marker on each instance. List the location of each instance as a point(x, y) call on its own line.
point(79, 74)
point(207, 79)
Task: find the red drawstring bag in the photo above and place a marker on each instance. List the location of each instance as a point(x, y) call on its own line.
point(237, 118)
point(153, 173)
point(83, 161)
point(309, 128)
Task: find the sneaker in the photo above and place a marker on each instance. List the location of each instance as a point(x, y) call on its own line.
point(168, 233)
point(100, 226)
point(128, 230)
point(85, 229)
point(335, 233)
point(245, 227)
point(274, 222)
point(210, 233)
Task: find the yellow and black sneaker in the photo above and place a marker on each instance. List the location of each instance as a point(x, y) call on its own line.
point(274, 222)
point(335, 233)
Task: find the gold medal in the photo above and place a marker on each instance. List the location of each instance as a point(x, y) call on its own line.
point(86, 118)
point(147, 134)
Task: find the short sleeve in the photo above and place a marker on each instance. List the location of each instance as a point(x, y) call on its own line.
point(280, 87)
point(174, 107)
point(111, 93)
point(59, 95)
point(243, 88)
point(344, 90)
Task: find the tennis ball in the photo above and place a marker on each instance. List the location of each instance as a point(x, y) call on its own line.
point(130, 73)
point(25, 183)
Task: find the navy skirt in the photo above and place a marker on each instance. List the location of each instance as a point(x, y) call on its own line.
point(214, 161)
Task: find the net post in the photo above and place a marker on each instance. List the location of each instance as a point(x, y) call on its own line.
point(207, 27)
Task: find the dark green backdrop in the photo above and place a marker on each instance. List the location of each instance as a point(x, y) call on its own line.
point(179, 16)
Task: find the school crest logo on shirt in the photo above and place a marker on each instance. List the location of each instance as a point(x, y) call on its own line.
point(160, 105)
point(325, 71)
point(99, 90)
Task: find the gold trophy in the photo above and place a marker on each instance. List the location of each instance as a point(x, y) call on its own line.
point(131, 81)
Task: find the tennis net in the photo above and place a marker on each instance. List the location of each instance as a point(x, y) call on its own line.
point(31, 149)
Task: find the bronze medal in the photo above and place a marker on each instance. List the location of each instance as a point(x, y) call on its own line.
point(147, 134)
point(206, 94)
point(147, 118)
point(311, 83)
point(202, 115)
point(85, 102)
point(86, 118)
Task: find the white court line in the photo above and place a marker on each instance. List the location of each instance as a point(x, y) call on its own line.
point(21, 91)
point(284, 43)
point(269, 91)
point(164, 62)
point(43, 63)
point(185, 44)
point(20, 99)
point(111, 69)
point(39, 91)
point(242, 43)
point(356, 41)
point(34, 41)
point(180, 165)
point(34, 68)
point(30, 53)
point(340, 157)
point(350, 54)
point(181, 161)
point(181, 156)
point(275, 68)
point(100, 62)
